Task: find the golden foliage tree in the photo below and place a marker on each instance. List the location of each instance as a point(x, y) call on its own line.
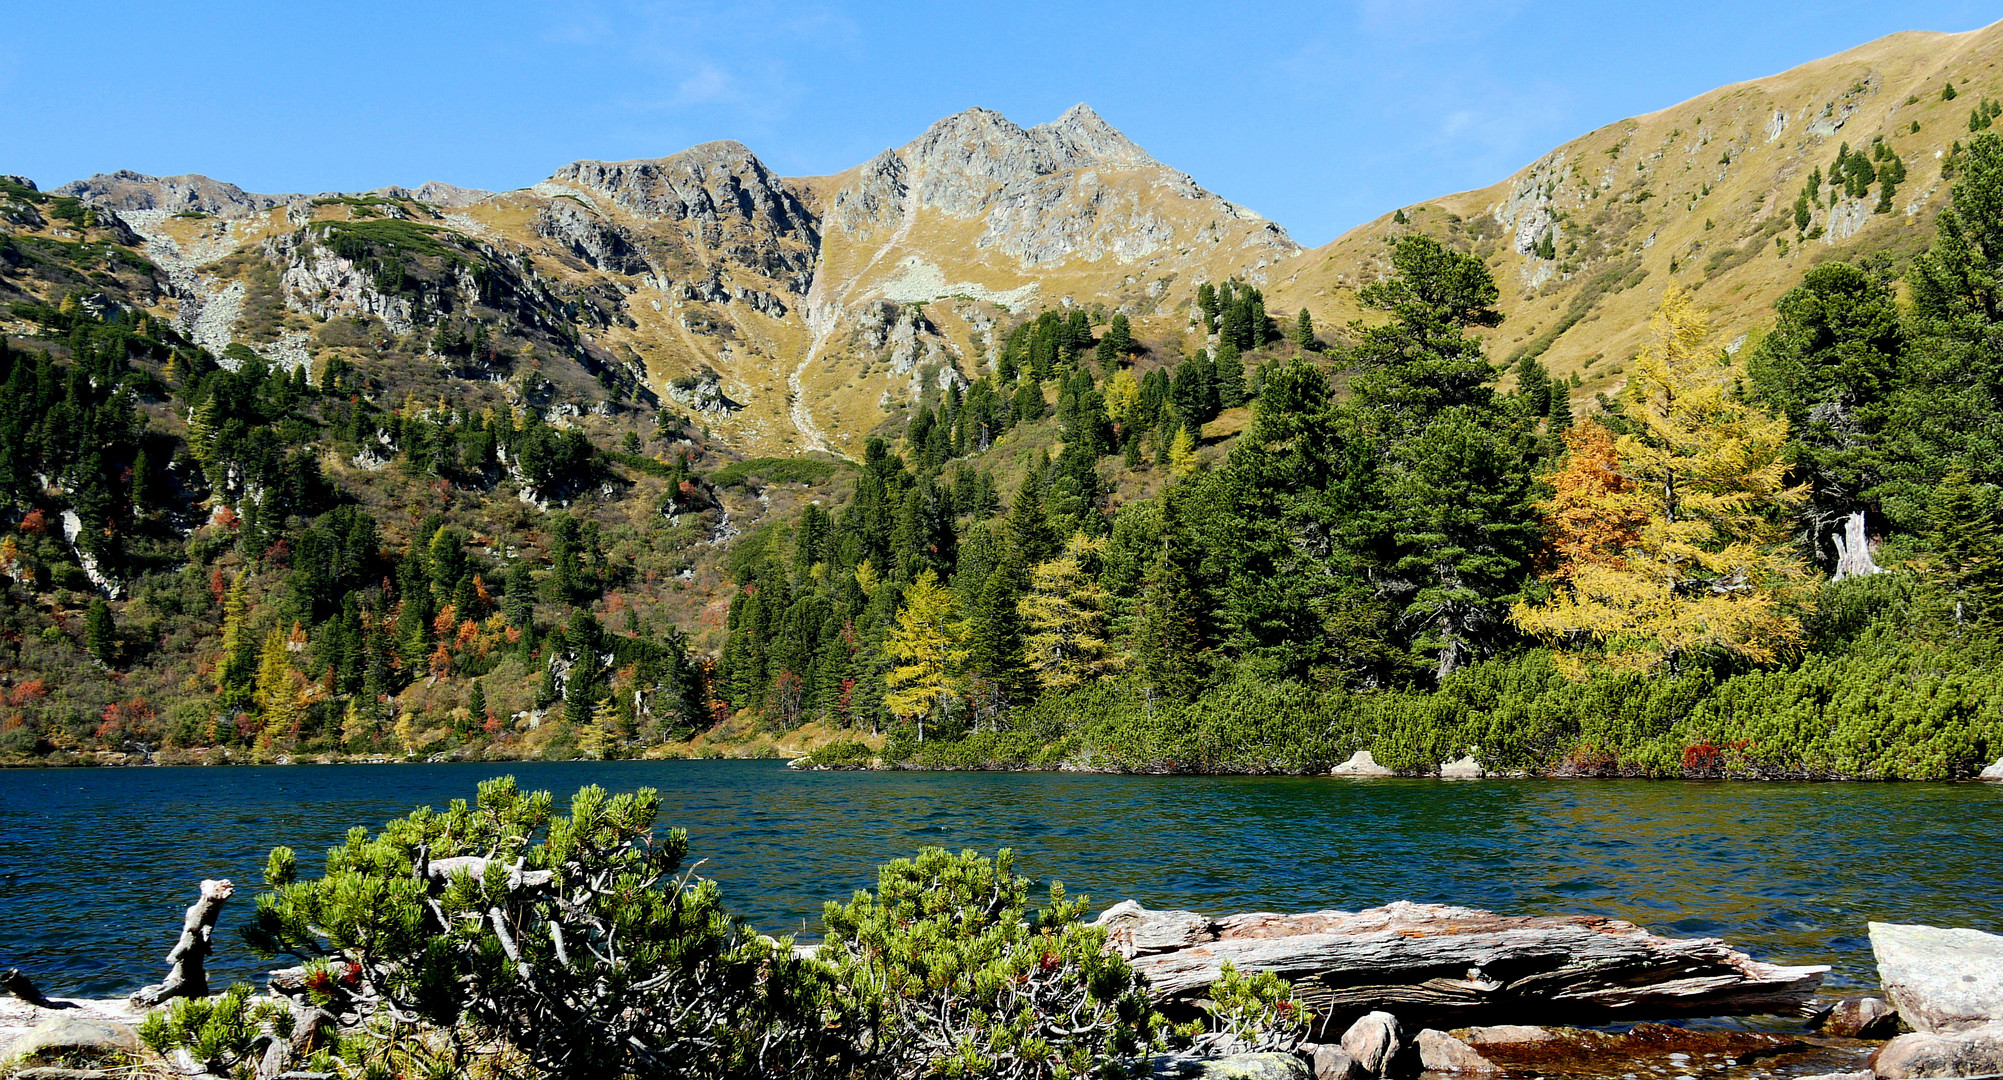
point(1594, 514)
point(278, 688)
point(1686, 549)
point(1065, 612)
point(927, 647)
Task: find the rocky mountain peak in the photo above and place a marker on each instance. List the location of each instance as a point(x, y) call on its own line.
point(128, 190)
point(962, 162)
point(1082, 137)
point(708, 183)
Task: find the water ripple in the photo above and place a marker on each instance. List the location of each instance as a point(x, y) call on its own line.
point(95, 866)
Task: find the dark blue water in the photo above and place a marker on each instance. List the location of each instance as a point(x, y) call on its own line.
point(97, 865)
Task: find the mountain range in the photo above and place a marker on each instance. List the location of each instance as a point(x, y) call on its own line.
point(801, 313)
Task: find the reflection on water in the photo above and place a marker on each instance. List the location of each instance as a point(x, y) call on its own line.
point(96, 865)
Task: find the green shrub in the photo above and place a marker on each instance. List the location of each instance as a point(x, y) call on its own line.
point(222, 1033)
point(580, 942)
point(1249, 1014)
point(959, 978)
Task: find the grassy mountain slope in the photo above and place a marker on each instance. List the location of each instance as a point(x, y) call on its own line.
point(1702, 193)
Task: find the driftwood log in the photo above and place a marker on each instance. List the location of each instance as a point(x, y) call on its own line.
point(1438, 966)
point(186, 977)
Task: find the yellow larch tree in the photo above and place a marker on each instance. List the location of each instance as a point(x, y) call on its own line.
point(1065, 615)
point(1686, 549)
point(927, 647)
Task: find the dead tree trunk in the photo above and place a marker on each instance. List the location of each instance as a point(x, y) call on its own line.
point(185, 976)
point(1437, 966)
point(1853, 549)
point(19, 985)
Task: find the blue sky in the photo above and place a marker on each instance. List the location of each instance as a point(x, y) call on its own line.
point(1319, 116)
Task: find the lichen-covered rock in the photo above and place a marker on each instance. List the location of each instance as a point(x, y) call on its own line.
point(74, 1037)
point(1941, 981)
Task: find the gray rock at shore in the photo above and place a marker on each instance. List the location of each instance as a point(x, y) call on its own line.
point(1441, 1052)
point(1862, 1018)
point(1332, 1062)
point(1361, 763)
point(1373, 1043)
point(75, 1036)
point(1970, 1052)
point(1466, 768)
point(1941, 981)
point(1228, 1067)
point(1994, 772)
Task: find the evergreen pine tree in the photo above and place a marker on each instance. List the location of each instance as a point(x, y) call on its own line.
point(1304, 333)
point(1968, 543)
point(100, 633)
point(1230, 381)
point(1169, 639)
point(1561, 408)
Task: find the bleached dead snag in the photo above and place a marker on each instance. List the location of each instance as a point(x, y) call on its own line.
point(186, 976)
point(1438, 966)
point(1853, 550)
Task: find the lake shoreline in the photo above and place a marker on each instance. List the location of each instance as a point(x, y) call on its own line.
point(224, 759)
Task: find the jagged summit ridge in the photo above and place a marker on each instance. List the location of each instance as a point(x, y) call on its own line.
point(708, 182)
point(1082, 137)
point(128, 190)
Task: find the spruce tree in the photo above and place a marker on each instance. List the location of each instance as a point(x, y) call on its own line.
point(1304, 332)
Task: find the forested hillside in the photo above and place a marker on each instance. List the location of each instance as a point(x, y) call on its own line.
point(1396, 556)
point(403, 474)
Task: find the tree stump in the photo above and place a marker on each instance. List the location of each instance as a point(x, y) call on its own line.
point(186, 976)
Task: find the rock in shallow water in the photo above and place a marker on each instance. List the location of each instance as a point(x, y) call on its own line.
point(1333, 1063)
point(1506, 1035)
point(1941, 981)
point(1861, 1018)
point(1972, 1052)
point(1229, 1067)
point(1441, 1052)
point(1373, 1043)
